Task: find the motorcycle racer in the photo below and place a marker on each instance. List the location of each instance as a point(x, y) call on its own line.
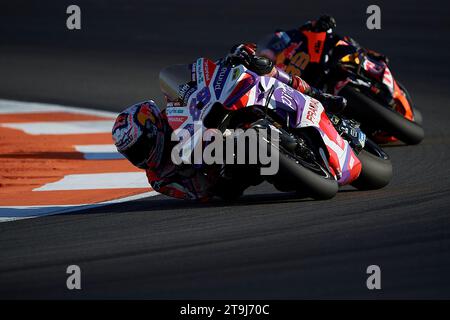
point(284, 48)
point(142, 134)
point(336, 64)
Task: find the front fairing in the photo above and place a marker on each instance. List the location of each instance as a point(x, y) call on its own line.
point(232, 87)
point(302, 111)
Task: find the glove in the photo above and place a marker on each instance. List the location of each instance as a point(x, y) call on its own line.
point(242, 53)
point(246, 54)
point(260, 65)
point(331, 103)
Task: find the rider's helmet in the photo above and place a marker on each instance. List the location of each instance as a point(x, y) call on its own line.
point(139, 133)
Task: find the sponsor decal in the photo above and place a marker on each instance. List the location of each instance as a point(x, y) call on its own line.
point(312, 113)
point(186, 91)
point(200, 76)
point(208, 70)
point(318, 46)
point(298, 63)
point(176, 116)
point(289, 52)
point(220, 80)
point(236, 73)
point(312, 110)
point(284, 93)
point(193, 73)
point(145, 113)
point(388, 80)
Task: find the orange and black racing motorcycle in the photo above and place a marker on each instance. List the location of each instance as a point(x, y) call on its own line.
point(375, 98)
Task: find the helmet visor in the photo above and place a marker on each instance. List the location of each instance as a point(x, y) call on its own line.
point(139, 153)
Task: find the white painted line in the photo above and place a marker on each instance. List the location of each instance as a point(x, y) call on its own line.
point(63, 127)
point(93, 148)
point(13, 106)
point(24, 212)
point(119, 180)
point(2, 219)
point(99, 151)
point(119, 200)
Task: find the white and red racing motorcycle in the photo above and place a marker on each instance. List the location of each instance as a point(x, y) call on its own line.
point(317, 153)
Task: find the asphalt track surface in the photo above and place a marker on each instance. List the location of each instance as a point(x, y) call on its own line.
point(269, 244)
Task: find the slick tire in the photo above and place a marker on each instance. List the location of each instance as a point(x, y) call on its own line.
point(376, 171)
point(417, 114)
point(375, 115)
point(317, 186)
point(418, 118)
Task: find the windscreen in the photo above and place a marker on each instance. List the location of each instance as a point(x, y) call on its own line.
point(171, 78)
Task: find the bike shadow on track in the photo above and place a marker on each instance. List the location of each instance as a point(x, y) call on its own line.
point(163, 203)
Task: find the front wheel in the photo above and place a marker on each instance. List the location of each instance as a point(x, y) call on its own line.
point(298, 167)
point(310, 179)
point(376, 170)
point(418, 118)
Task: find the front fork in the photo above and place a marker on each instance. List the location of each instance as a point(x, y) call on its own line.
point(350, 130)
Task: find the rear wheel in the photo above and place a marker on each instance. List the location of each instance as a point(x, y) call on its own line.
point(376, 169)
point(376, 116)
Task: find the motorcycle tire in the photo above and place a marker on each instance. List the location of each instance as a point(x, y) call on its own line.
point(417, 114)
point(376, 171)
point(319, 187)
point(418, 118)
point(370, 112)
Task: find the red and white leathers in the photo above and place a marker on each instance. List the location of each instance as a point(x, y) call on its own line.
point(183, 182)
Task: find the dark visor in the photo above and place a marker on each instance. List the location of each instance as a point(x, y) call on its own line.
point(139, 152)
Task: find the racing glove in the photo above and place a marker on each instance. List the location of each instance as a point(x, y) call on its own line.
point(333, 104)
point(246, 54)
